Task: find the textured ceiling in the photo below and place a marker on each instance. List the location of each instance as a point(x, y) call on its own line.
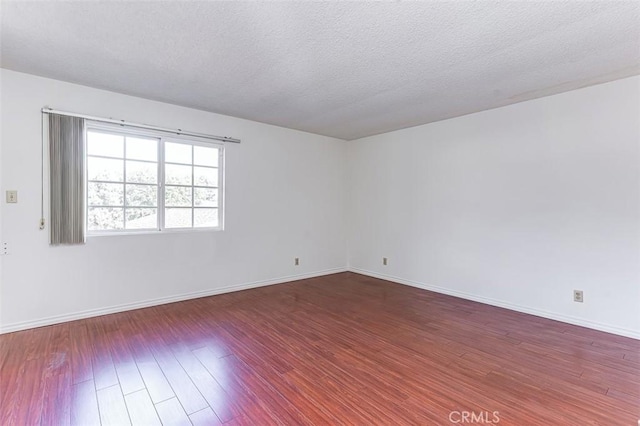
point(343, 69)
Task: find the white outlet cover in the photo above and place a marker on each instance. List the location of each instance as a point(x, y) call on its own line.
point(12, 196)
point(578, 296)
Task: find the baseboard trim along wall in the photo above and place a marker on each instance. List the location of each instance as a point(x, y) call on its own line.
point(499, 303)
point(9, 328)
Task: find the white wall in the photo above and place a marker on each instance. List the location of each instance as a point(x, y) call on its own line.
point(1, 201)
point(284, 199)
point(514, 207)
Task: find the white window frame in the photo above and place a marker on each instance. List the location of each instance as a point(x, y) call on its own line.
point(162, 137)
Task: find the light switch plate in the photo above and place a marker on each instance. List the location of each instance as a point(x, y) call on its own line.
point(12, 196)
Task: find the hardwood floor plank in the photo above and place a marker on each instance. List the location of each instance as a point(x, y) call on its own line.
point(84, 404)
point(104, 372)
point(184, 389)
point(274, 402)
point(341, 349)
point(113, 410)
point(172, 413)
point(81, 366)
point(11, 378)
point(242, 402)
point(215, 395)
point(218, 368)
point(29, 400)
point(204, 417)
point(56, 405)
point(155, 381)
point(126, 369)
point(142, 412)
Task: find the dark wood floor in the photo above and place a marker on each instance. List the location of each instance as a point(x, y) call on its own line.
point(340, 349)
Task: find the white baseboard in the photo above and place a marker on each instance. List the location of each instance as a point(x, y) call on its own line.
point(502, 304)
point(9, 328)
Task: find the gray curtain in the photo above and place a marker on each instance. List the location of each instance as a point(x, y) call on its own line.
point(66, 179)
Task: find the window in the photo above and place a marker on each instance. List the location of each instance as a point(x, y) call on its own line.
point(147, 182)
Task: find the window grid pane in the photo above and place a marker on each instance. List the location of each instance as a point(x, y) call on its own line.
point(105, 169)
point(205, 156)
point(178, 153)
point(105, 144)
point(141, 218)
point(141, 172)
point(141, 195)
point(105, 218)
point(205, 218)
point(180, 217)
point(137, 148)
point(124, 186)
point(105, 194)
point(178, 196)
point(178, 174)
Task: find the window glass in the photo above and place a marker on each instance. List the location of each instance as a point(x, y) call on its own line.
point(128, 185)
point(177, 153)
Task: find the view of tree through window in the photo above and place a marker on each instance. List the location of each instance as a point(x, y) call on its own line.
point(191, 186)
point(148, 183)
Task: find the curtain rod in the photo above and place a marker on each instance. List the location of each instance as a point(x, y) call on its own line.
point(47, 110)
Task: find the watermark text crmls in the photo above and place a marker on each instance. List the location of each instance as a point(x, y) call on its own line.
point(477, 417)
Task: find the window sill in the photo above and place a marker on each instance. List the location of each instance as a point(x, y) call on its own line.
point(152, 232)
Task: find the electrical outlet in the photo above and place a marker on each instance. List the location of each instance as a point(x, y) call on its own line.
point(385, 261)
point(578, 296)
point(12, 196)
point(296, 261)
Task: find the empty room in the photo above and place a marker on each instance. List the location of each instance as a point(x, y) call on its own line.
point(319, 213)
